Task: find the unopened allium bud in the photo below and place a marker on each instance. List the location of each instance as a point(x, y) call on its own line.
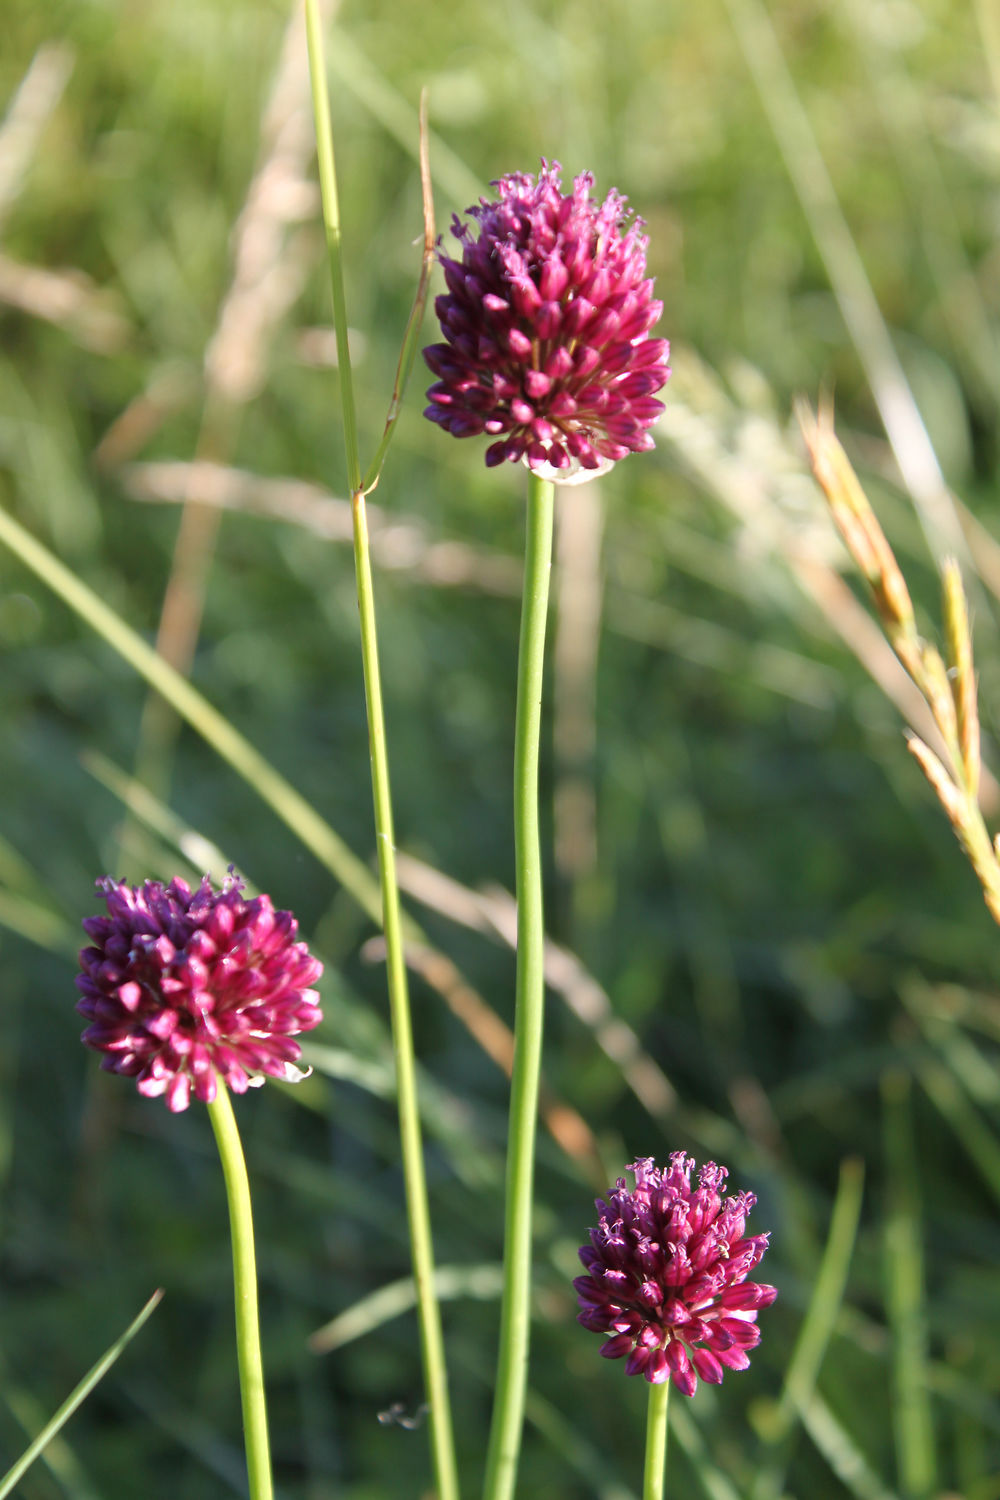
point(547, 320)
point(182, 988)
point(667, 1271)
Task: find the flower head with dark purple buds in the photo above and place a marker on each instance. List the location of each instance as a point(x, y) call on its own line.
point(667, 1271)
point(547, 320)
point(182, 987)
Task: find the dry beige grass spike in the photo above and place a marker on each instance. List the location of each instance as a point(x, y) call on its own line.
point(862, 534)
point(962, 676)
point(948, 685)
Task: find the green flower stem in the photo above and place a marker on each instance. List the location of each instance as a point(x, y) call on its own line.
point(327, 169)
point(417, 1208)
point(655, 1469)
point(515, 1315)
point(234, 1169)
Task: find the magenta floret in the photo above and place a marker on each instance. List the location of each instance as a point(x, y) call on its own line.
point(667, 1270)
point(547, 320)
point(181, 988)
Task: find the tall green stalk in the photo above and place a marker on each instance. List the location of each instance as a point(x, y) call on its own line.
point(417, 1206)
point(334, 243)
point(655, 1468)
point(251, 1364)
point(515, 1316)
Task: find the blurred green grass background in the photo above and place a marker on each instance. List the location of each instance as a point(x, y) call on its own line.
point(781, 959)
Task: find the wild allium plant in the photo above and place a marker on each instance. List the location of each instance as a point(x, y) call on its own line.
point(547, 322)
point(667, 1268)
point(202, 992)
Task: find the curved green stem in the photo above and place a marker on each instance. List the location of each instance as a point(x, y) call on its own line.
point(515, 1316)
point(655, 1469)
point(251, 1365)
point(417, 1208)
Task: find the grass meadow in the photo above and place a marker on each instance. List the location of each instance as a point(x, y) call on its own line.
point(766, 945)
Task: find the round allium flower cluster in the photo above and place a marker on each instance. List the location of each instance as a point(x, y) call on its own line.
point(547, 321)
point(667, 1268)
point(181, 986)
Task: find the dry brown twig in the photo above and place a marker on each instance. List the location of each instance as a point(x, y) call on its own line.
point(947, 683)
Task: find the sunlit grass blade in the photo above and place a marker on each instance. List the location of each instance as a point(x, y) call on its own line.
point(204, 857)
point(58, 1457)
point(685, 1432)
point(579, 1455)
point(484, 1283)
point(76, 1398)
point(913, 1421)
point(843, 1455)
point(572, 1442)
point(25, 905)
point(31, 107)
point(817, 195)
point(978, 1139)
point(39, 924)
point(445, 1116)
point(289, 805)
point(398, 118)
point(989, 26)
point(945, 1017)
point(816, 1331)
point(236, 356)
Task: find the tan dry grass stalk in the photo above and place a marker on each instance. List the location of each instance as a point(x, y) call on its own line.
point(948, 684)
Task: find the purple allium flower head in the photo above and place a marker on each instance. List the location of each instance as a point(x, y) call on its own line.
point(667, 1271)
point(547, 320)
point(181, 986)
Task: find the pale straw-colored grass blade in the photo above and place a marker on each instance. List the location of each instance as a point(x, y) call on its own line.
point(398, 118)
point(481, 1282)
point(34, 103)
point(268, 272)
point(402, 543)
point(806, 166)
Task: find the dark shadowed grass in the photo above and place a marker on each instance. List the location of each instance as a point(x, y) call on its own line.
point(765, 890)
